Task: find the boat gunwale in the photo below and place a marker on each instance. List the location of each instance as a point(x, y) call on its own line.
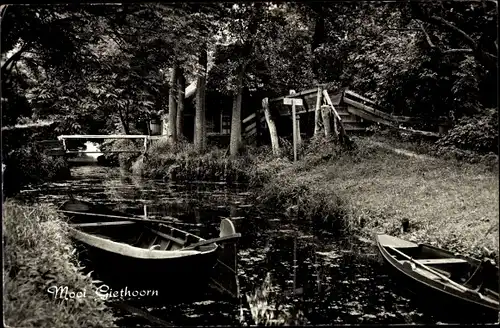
point(127, 250)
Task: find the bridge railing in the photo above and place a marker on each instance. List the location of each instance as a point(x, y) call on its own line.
point(146, 138)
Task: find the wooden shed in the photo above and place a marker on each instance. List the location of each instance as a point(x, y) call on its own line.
point(356, 112)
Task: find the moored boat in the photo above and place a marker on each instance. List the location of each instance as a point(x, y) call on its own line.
point(467, 285)
point(136, 252)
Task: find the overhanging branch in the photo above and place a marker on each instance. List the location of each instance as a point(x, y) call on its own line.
point(482, 55)
point(455, 29)
point(427, 37)
point(444, 51)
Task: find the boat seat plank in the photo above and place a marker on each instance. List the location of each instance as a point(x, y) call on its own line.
point(163, 235)
point(426, 273)
point(100, 224)
point(491, 292)
point(441, 261)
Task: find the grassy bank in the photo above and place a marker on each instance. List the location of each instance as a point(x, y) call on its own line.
point(38, 255)
point(183, 163)
point(448, 203)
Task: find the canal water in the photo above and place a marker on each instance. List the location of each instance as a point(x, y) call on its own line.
point(288, 273)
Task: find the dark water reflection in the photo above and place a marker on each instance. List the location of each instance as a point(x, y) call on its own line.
point(313, 278)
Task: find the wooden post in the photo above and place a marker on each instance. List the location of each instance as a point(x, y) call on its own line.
point(145, 144)
point(294, 127)
point(325, 111)
point(145, 212)
point(341, 131)
point(317, 111)
point(299, 138)
point(294, 102)
point(164, 125)
point(335, 126)
point(294, 264)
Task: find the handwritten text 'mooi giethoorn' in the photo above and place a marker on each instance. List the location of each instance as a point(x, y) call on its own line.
point(103, 291)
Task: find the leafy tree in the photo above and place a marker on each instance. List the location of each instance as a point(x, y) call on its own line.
point(424, 59)
point(264, 51)
point(50, 42)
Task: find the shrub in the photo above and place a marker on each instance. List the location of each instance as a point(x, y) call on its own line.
point(478, 133)
point(29, 164)
point(305, 199)
point(39, 254)
point(181, 162)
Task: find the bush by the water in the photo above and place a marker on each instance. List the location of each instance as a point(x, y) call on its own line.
point(124, 160)
point(283, 187)
point(28, 165)
point(182, 162)
point(38, 255)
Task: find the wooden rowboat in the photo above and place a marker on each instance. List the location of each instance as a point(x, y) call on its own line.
point(440, 275)
point(137, 252)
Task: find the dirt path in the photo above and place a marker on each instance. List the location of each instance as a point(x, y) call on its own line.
point(401, 151)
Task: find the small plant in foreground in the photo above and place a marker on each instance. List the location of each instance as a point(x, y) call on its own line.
point(264, 309)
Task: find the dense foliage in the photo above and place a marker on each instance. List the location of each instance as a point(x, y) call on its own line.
point(107, 68)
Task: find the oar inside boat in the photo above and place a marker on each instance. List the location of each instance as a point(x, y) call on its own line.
point(419, 263)
point(212, 240)
point(107, 216)
point(227, 232)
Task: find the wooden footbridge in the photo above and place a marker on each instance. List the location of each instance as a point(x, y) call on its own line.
point(59, 147)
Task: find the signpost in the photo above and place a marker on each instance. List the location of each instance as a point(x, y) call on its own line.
point(294, 102)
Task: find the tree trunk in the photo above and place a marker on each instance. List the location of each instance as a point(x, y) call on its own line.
point(11, 62)
point(273, 132)
point(235, 144)
point(325, 112)
point(181, 86)
point(172, 106)
point(124, 124)
point(318, 38)
point(199, 129)
point(123, 120)
point(317, 112)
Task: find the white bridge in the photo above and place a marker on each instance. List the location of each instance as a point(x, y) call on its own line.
point(145, 139)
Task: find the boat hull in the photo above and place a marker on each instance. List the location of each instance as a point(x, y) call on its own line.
point(443, 302)
point(139, 255)
point(169, 277)
point(441, 306)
